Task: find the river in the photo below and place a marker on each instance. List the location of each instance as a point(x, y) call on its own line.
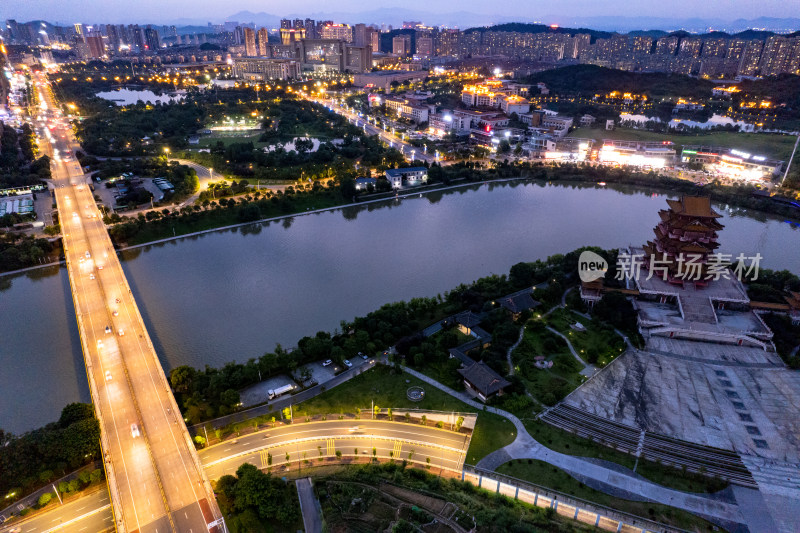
point(232, 295)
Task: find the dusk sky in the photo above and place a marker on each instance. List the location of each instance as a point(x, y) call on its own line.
point(160, 11)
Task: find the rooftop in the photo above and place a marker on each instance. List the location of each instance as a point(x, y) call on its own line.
point(395, 172)
point(693, 206)
point(483, 378)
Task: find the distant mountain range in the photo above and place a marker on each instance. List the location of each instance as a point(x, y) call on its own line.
point(464, 19)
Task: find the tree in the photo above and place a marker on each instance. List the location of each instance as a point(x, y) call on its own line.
point(287, 413)
point(338, 455)
point(229, 397)
point(181, 378)
point(96, 475)
point(348, 188)
point(199, 439)
point(45, 498)
point(423, 420)
point(75, 412)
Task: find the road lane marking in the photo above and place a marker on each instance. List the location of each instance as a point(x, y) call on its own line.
point(76, 519)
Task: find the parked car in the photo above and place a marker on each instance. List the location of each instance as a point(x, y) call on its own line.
point(326, 363)
point(347, 363)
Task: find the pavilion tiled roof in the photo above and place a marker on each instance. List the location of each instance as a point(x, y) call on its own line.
point(695, 206)
point(483, 378)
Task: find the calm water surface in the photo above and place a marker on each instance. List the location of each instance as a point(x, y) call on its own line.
point(131, 96)
point(233, 295)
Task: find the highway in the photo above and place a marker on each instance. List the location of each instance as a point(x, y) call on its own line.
point(88, 514)
point(391, 439)
point(303, 441)
point(155, 477)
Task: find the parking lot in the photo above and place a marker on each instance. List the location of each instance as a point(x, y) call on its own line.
point(259, 393)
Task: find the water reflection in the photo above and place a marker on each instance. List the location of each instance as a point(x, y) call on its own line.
point(233, 295)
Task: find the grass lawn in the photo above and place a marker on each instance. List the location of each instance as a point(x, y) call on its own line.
point(565, 442)
point(766, 144)
point(546, 475)
point(210, 140)
point(552, 384)
point(599, 344)
point(388, 389)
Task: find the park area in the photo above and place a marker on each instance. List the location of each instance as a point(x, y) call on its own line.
point(388, 387)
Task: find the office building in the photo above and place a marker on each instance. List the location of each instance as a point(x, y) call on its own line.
point(384, 78)
point(332, 55)
point(260, 69)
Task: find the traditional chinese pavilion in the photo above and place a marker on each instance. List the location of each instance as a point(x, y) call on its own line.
point(684, 238)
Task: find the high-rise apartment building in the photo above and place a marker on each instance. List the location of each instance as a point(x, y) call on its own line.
point(250, 49)
point(94, 41)
point(342, 32)
point(152, 40)
point(424, 44)
point(291, 35)
point(667, 45)
point(311, 29)
point(376, 42)
point(359, 34)
point(401, 45)
point(263, 41)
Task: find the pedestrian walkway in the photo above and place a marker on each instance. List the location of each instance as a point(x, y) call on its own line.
point(512, 348)
point(588, 370)
point(611, 479)
point(309, 506)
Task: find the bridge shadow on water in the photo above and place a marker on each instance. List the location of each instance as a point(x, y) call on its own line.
point(75, 338)
point(140, 303)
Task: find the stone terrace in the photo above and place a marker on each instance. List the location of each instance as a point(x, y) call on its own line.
point(725, 396)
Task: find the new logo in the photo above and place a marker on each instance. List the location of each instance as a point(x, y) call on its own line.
point(591, 266)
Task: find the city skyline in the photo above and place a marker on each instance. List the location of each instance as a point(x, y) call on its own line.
point(471, 11)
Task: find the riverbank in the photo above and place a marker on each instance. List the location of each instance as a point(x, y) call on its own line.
point(565, 175)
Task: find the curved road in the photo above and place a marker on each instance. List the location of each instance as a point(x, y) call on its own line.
point(397, 440)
